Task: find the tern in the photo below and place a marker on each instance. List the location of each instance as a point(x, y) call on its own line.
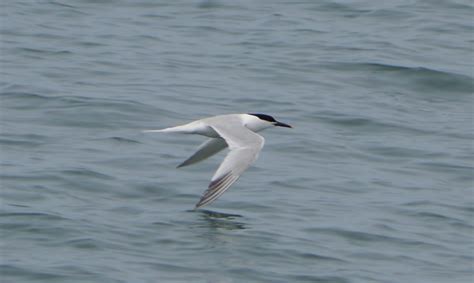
point(235, 131)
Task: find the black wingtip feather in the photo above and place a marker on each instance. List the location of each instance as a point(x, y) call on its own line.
point(211, 190)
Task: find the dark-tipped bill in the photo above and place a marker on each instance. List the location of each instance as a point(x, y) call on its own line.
point(280, 124)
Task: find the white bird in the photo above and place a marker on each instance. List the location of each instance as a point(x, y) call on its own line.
point(236, 131)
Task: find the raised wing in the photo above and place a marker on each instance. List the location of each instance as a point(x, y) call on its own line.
point(244, 147)
point(205, 150)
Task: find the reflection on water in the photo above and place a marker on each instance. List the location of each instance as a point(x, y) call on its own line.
point(222, 220)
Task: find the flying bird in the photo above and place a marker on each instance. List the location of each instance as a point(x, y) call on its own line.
point(236, 131)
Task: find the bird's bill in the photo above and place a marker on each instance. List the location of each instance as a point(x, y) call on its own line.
point(280, 124)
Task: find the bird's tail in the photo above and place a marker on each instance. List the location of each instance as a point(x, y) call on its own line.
point(178, 129)
point(156, 131)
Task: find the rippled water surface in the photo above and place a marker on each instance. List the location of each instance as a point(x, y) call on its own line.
point(374, 183)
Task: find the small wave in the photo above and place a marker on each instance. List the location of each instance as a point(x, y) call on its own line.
point(369, 124)
point(43, 52)
point(80, 111)
point(317, 257)
point(84, 243)
point(32, 177)
point(122, 140)
point(348, 10)
point(19, 143)
point(321, 279)
point(19, 274)
point(368, 237)
point(30, 215)
point(429, 212)
point(422, 78)
point(83, 172)
point(446, 167)
point(400, 152)
point(258, 103)
point(25, 140)
point(22, 100)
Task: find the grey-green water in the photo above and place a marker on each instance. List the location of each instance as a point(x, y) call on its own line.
point(374, 183)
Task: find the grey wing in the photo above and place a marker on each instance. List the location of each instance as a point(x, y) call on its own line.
point(245, 146)
point(205, 150)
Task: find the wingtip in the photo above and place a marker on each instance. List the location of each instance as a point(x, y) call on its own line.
point(212, 194)
point(182, 164)
point(198, 205)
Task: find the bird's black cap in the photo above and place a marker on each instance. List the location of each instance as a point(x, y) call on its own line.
point(264, 117)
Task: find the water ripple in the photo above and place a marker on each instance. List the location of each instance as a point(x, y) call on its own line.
point(372, 185)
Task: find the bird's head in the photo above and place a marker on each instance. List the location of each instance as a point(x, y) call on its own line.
point(257, 122)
